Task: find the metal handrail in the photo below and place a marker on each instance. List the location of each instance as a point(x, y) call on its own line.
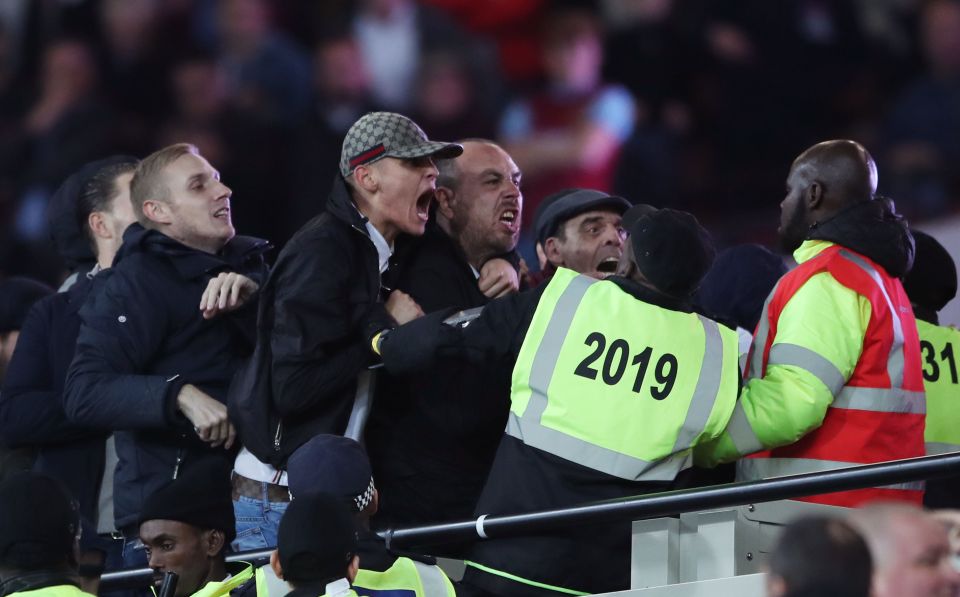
point(633, 508)
point(679, 501)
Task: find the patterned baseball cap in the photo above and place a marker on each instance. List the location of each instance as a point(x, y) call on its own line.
point(379, 135)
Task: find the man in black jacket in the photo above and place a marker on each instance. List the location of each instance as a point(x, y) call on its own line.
point(91, 209)
point(325, 297)
point(432, 436)
point(166, 329)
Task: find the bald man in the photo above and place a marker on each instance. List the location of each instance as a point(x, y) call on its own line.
point(833, 378)
point(910, 551)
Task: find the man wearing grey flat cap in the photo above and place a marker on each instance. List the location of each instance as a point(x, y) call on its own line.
point(327, 296)
point(580, 229)
point(614, 382)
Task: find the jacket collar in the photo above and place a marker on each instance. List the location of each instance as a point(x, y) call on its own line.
point(190, 263)
point(341, 205)
point(240, 572)
point(35, 580)
point(649, 295)
point(872, 229)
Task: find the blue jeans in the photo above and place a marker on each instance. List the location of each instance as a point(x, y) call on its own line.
point(257, 522)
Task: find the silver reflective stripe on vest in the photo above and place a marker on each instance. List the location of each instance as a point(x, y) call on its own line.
point(708, 386)
point(744, 438)
point(752, 469)
point(432, 579)
point(895, 362)
point(941, 448)
point(592, 456)
point(760, 338)
point(895, 400)
point(544, 362)
point(810, 361)
point(529, 429)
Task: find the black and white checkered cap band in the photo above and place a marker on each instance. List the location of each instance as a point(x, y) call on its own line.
point(363, 500)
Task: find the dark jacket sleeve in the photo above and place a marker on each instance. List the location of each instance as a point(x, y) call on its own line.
point(122, 327)
point(31, 403)
point(494, 337)
point(319, 342)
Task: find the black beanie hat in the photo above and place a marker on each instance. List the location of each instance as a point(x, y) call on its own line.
point(199, 496)
point(40, 522)
point(17, 295)
point(317, 539)
point(63, 212)
point(932, 282)
point(671, 250)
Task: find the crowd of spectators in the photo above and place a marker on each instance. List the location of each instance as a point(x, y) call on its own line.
point(694, 105)
point(611, 118)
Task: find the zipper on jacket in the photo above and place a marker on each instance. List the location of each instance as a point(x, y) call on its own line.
point(277, 436)
point(176, 466)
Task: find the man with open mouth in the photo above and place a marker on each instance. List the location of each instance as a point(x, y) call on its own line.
point(580, 229)
point(325, 292)
point(432, 437)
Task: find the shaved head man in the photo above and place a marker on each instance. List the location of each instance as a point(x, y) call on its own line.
point(824, 180)
point(910, 550)
point(835, 366)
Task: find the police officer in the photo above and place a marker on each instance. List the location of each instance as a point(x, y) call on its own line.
point(613, 382)
point(931, 284)
point(39, 534)
point(339, 466)
point(317, 548)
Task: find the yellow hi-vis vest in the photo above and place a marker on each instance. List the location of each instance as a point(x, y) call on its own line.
point(404, 576)
point(618, 385)
point(940, 352)
point(217, 589)
point(53, 591)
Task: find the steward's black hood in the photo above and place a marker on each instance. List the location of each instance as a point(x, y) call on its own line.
point(872, 229)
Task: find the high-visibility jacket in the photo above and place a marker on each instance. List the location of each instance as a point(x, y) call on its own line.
point(220, 588)
point(53, 591)
point(834, 377)
point(404, 577)
point(609, 393)
point(618, 385)
point(269, 585)
point(940, 351)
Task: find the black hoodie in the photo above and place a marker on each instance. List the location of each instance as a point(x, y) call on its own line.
point(874, 230)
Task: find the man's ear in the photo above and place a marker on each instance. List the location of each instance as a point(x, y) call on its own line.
point(157, 211)
point(446, 200)
point(98, 225)
point(353, 568)
point(366, 177)
point(275, 564)
point(214, 542)
point(551, 250)
point(814, 195)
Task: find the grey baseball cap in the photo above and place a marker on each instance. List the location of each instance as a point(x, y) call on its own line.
point(379, 135)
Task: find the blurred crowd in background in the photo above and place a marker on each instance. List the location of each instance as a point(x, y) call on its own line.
point(691, 104)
